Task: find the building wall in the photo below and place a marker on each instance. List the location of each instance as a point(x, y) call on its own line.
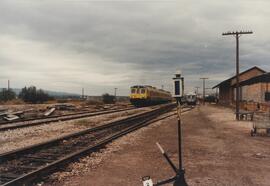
point(224, 94)
point(252, 93)
point(253, 97)
point(227, 92)
point(255, 92)
point(250, 74)
point(265, 88)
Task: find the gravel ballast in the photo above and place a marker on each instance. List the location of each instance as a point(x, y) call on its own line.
point(22, 137)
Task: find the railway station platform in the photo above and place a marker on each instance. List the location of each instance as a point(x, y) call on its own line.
point(217, 151)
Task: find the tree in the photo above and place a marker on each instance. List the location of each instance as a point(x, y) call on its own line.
point(108, 99)
point(7, 94)
point(32, 95)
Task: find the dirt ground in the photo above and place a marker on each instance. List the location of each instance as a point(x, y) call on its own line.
point(217, 151)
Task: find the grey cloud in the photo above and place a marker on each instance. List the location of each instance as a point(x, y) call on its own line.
point(141, 42)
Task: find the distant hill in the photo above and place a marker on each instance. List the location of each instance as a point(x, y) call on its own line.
point(52, 93)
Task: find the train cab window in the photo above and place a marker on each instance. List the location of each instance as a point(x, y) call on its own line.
point(142, 91)
point(133, 91)
point(138, 91)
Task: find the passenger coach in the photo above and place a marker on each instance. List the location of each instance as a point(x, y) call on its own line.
point(191, 99)
point(147, 95)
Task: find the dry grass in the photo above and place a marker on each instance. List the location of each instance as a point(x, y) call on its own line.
point(93, 102)
point(84, 122)
point(13, 102)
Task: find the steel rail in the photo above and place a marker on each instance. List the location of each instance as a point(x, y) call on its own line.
point(139, 121)
point(13, 154)
point(7, 158)
point(55, 116)
point(58, 118)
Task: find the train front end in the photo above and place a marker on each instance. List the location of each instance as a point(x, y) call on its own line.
point(138, 95)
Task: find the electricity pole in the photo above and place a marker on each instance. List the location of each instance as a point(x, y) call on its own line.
point(82, 93)
point(8, 85)
point(204, 78)
point(217, 96)
point(237, 35)
point(115, 89)
point(197, 90)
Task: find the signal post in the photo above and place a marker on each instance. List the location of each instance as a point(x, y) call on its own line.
point(179, 178)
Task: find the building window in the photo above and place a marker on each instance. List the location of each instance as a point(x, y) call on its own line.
point(267, 96)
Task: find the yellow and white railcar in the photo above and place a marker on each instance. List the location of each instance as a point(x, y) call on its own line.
point(142, 95)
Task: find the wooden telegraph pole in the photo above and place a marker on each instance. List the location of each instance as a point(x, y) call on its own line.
point(197, 90)
point(204, 78)
point(82, 93)
point(237, 35)
point(115, 90)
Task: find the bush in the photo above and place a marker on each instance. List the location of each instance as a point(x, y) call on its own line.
point(92, 102)
point(6, 95)
point(108, 99)
point(32, 95)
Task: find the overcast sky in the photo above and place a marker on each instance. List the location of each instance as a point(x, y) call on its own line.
point(100, 45)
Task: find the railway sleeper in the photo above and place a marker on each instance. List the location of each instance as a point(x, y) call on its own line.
point(71, 152)
point(7, 177)
point(39, 158)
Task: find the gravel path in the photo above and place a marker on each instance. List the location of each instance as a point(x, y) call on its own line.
point(93, 161)
point(217, 151)
point(19, 138)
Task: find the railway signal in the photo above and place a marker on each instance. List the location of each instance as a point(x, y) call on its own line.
point(178, 85)
point(179, 178)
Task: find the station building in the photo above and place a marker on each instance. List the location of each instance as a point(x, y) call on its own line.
point(254, 89)
point(255, 93)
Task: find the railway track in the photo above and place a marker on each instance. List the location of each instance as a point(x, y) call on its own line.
point(55, 116)
point(41, 121)
point(29, 164)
